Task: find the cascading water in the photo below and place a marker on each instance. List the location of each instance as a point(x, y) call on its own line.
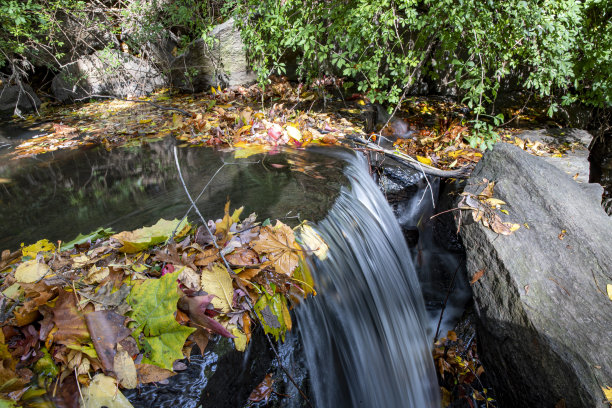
point(364, 334)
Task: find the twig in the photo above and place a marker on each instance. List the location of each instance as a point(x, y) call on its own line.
point(407, 160)
point(231, 272)
point(448, 292)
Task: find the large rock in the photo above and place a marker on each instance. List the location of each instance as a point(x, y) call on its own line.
point(106, 73)
point(17, 99)
point(222, 63)
point(544, 316)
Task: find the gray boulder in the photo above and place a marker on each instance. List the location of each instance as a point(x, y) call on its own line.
point(544, 315)
point(222, 63)
point(106, 73)
point(18, 99)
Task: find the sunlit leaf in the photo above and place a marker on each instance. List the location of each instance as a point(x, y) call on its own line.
point(217, 281)
point(154, 304)
point(41, 246)
point(137, 240)
point(31, 271)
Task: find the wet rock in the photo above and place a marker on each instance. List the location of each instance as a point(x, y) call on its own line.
point(222, 63)
point(106, 73)
point(18, 99)
point(544, 317)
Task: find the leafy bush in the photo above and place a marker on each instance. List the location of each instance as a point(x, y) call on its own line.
point(550, 47)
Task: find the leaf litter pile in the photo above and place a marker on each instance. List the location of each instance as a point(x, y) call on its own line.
point(107, 311)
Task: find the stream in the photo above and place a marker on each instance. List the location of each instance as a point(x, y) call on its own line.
point(364, 340)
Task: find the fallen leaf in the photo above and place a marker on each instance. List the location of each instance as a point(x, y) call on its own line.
point(154, 304)
point(609, 290)
point(424, 160)
point(125, 369)
point(477, 276)
point(70, 322)
point(263, 390)
point(31, 271)
point(313, 242)
point(278, 244)
point(137, 240)
point(41, 246)
point(562, 234)
point(217, 281)
point(103, 392)
point(197, 307)
point(148, 373)
point(107, 328)
point(294, 133)
point(608, 393)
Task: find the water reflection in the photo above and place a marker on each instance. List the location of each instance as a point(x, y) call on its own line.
point(60, 194)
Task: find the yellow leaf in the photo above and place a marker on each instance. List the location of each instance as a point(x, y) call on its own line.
point(494, 202)
point(103, 392)
point(142, 238)
point(609, 290)
point(213, 90)
point(145, 121)
point(313, 242)
point(240, 341)
point(30, 271)
point(217, 281)
point(294, 133)
point(504, 211)
point(248, 151)
point(513, 227)
point(125, 369)
point(607, 392)
point(424, 160)
point(41, 246)
point(359, 102)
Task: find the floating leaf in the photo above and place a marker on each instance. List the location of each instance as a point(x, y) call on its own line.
point(263, 390)
point(136, 241)
point(153, 304)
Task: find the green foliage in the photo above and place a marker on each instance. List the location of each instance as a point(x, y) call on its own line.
point(154, 304)
point(552, 48)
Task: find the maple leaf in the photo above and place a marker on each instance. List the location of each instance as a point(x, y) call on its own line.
point(278, 243)
point(154, 303)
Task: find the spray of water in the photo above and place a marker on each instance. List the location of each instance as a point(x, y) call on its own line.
point(364, 335)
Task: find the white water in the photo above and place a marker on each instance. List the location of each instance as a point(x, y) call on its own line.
point(364, 335)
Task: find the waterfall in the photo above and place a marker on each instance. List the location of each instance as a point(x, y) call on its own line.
point(364, 334)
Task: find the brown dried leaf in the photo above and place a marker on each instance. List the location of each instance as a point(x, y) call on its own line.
point(263, 390)
point(477, 276)
point(148, 373)
point(278, 244)
point(107, 328)
point(70, 321)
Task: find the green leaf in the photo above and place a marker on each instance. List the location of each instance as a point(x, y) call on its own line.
point(153, 307)
point(92, 236)
point(136, 241)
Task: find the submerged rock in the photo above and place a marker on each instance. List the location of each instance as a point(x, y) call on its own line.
point(223, 62)
point(106, 73)
point(544, 316)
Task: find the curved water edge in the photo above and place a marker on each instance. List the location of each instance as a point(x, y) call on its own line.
point(365, 333)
